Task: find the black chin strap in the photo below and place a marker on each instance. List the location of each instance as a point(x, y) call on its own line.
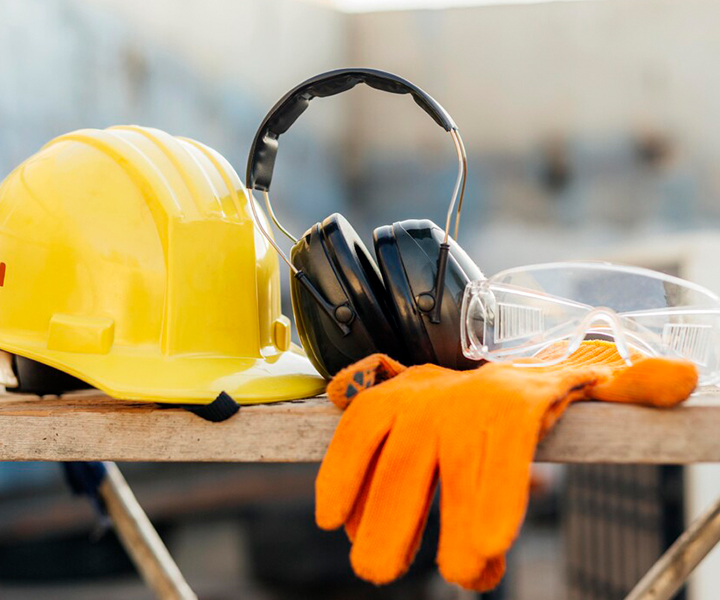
point(37, 378)
point(219, 410)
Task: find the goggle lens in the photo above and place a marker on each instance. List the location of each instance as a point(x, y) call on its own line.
point(518, 313)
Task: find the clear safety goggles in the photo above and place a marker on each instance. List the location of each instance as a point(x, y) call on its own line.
point(516, 314)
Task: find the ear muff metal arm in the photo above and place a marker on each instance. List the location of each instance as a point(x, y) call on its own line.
point(271, 212)
point(341, 315)
point(458, 195)
point(460, 183)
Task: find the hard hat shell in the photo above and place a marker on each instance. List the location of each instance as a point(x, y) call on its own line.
point(129, 259)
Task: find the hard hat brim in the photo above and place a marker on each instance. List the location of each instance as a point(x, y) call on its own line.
point(134, 374)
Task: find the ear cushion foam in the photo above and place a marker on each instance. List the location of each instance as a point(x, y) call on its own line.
point(407, 256)
point(400, 294)
point(355, 268)
point(324, 343)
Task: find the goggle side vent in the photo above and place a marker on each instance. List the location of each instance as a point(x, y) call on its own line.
point(516, 322)
point(689, 340)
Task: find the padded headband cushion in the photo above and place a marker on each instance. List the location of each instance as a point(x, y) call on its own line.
point(358, 274)
point(407, 256)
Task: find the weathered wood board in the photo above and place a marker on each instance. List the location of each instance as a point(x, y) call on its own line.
point(91, 426)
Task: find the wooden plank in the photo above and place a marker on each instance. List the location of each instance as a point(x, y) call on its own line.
point(91, 426)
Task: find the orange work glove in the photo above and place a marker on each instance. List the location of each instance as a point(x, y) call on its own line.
point(477, 431)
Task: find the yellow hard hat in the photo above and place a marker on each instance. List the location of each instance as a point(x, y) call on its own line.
point(129, 259)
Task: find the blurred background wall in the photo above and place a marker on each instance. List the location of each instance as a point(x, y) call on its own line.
point(586, 123)
point(597, 120)
point(204, 69)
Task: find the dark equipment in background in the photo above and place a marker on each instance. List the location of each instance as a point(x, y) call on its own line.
point(37, 378)
point(618, 519)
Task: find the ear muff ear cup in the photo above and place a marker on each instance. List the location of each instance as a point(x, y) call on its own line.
point(407, 254)
point(402, 300)
point(336, 262)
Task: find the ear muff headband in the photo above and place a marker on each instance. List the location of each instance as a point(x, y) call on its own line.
point(286, 111)
point(263, 152)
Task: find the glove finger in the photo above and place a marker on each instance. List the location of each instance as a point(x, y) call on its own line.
point(487, 576)
point(360, 433)
point(420, 529)
point(653, 381)
point(397, 505)
point(353, 521)
point(461, 458)
point(510, 447)
point(371, 370)
point(503, 492)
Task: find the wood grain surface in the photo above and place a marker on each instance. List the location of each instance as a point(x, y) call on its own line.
point(90, 426)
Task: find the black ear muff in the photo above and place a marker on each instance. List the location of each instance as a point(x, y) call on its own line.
point(345, 309)
point(407, 254)
point(335, 261)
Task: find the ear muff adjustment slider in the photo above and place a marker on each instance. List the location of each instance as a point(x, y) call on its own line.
point(425, 302)
point(341, 315)
point(344, 314)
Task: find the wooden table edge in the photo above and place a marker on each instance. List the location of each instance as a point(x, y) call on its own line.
point(92, 426)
